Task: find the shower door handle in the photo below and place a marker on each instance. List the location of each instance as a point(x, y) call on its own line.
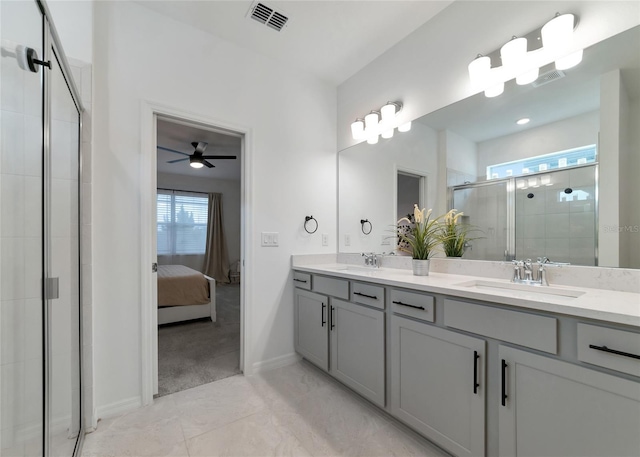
point(51, 288)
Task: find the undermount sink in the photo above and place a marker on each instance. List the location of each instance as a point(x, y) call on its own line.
point(542, 290)
point(358, 269)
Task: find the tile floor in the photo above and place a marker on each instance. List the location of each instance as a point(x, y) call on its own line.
point(291, 411)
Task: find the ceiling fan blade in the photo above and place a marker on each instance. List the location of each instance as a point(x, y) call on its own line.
point(209, 165)
point(219, 157)
point(177, 160)
point(173, 150)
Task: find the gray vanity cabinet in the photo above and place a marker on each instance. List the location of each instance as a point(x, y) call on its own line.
point(357, 348)
point(438, 384)
point(554, 408)
point(311, 338)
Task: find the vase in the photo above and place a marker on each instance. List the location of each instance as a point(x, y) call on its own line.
point(420, 267)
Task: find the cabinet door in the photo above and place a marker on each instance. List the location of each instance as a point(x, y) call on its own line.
point(357, 349)
point(554, 408)
point(311, 327)
point(438, 385)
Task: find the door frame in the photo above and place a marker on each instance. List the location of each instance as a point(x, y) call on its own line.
point(150, 111)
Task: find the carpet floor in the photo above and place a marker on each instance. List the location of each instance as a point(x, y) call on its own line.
point(200, 352)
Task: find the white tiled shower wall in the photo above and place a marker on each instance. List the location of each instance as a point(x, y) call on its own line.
point(21, 239)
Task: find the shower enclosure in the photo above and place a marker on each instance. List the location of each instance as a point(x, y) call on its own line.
point(551, 214)
point(40, 313)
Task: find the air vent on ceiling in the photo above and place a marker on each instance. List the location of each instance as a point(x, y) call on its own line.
point(268, 16)
point(548, 77)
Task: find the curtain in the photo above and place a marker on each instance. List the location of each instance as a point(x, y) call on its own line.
point(216, 257)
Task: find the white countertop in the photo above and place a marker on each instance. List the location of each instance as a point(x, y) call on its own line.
point(599, 304)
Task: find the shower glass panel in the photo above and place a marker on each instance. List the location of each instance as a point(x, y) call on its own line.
point(21, 234)
point(556, 216)
point(64, 312)
point(486, 209)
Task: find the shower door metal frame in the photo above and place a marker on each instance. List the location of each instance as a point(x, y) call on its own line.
point(53, 51)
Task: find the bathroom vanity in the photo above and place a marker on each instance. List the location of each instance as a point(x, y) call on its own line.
point(476, 365)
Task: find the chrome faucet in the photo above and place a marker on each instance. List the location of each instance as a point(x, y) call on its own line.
point(371, 260)
point(523, 272)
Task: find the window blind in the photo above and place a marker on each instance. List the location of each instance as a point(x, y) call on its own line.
point(182, 222)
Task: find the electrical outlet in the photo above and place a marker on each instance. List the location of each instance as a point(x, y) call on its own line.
point(269, 239)
point(325, 239)
point(347, 240)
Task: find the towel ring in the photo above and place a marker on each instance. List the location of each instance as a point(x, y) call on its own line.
point(363, 222)
point(306, 221)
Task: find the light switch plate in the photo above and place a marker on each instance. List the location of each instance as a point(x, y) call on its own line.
point(269, 239)
point(325, 239)
point(347, 240)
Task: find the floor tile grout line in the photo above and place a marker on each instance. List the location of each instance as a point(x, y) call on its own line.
point(227, 424)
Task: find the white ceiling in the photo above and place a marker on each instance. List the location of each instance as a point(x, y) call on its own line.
point(178, 136)
point(330, 39)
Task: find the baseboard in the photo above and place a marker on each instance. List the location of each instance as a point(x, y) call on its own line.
point(275, 362)
point(119, 407)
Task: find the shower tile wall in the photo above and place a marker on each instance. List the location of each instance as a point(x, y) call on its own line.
point(555, 224)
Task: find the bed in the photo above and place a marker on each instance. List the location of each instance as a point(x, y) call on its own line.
point(184, 294)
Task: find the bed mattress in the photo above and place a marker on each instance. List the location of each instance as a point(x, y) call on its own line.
point(181, 286)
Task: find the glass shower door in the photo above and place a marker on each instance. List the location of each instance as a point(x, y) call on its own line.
point(21, 234)
point(64, 265)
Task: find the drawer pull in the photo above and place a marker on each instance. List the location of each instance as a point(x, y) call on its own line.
point(300, 280)
point(476, 356)
point(410, 306)
point(613, 351)
point(365, 295)
point(504, 383)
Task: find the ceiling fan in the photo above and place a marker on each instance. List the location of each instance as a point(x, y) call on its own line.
point(197, 159)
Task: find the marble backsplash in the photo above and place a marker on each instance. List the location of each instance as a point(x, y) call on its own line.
point(619, 279)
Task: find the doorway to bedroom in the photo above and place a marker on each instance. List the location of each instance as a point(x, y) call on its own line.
point(198, 240)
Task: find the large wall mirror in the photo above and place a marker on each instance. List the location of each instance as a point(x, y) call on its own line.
point(565, 185)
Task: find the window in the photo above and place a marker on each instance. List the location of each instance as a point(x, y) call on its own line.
point(569, 158)
point(182, 222)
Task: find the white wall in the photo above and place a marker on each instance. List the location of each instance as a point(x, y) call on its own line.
point(74, 23)
point(632, 189)
point(140, 55)
point(566, 134)
point(428, 69)
point(230, 191)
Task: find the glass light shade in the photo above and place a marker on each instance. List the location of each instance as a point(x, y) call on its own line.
point(479, 71)
point(569, 61)
point(373, 139)
point(558, 32)
point(387, 133)
point(527, 77)
point(494, 90)
point(371, 123)
point(514, 52)
point(196, 164)
point(405, 127)
point(357, 129)
point(388, 112)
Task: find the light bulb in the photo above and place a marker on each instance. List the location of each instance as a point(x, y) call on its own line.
point(405, 127)
point(494, 90)
point(373, 139)
point(357, 129)
point(387, 134)
point(573, 59)
point(197, 164)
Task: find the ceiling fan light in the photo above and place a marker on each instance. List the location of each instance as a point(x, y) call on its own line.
point(196, 162)
point(570, 61)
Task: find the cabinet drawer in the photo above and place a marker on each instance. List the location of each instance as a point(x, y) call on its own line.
point(302, 280)
point(331, 286)
point(367, 294)
point(626, 345)
point(412, 304)
point(530, 330)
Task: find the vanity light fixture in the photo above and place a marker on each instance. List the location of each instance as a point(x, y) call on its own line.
point(378, 124)
point(555, 41)
point(524, 120)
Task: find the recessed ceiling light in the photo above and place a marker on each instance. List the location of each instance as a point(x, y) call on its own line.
point(524, 120)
